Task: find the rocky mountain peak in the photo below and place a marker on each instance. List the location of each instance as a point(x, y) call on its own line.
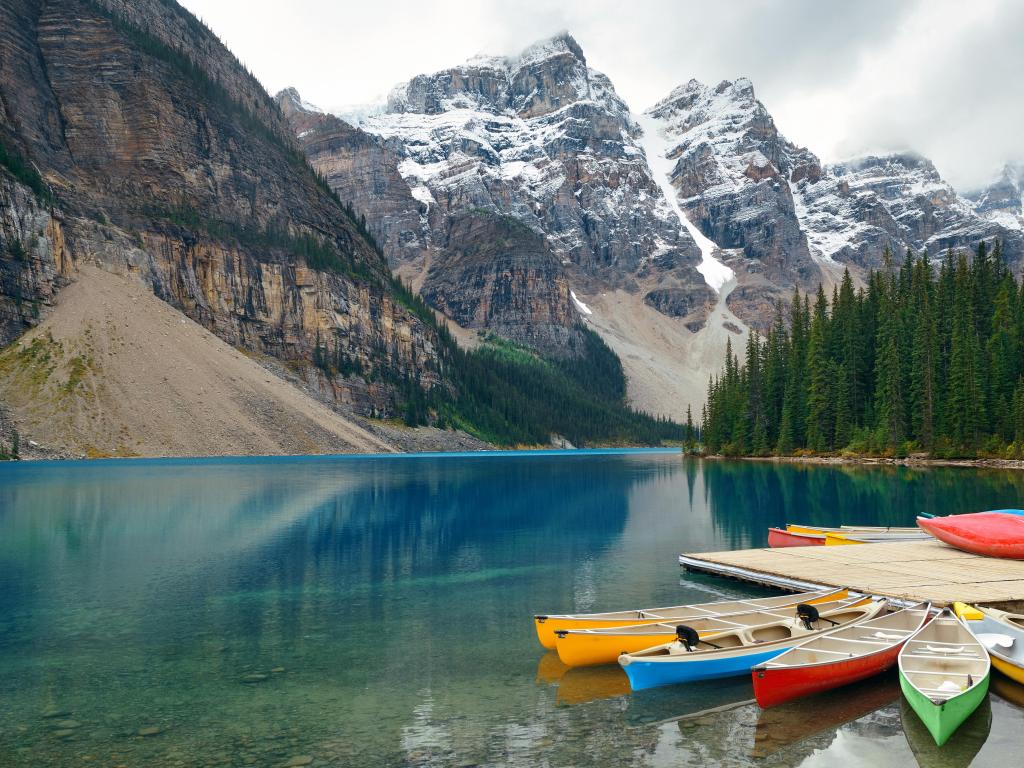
point(543, 78)
point(1004, 197)
point(290, 101)
point(562, 44)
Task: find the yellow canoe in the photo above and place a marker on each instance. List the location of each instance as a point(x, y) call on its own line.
point(1001, 633)
point(548, 625)
point(841, 539)
point(855, 530)
point(589, 647)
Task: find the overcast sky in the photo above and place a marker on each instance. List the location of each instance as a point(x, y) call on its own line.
point(943, 77)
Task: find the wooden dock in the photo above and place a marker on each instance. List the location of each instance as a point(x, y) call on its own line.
point(906, 570)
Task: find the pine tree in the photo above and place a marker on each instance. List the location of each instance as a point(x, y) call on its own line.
point(963, 395)
point(1003, 353)
point(924, 357)
point(820, 424)
point(690, 437)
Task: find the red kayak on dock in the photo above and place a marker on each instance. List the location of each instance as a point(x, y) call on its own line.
point(837, 658)
point(778, 538)
point(994, 534)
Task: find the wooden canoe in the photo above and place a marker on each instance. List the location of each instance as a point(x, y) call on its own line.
point(837, 658)
point(736, 651)
point(590, 647)
point(548, 625)
point(944, 674)
point(1001, 633)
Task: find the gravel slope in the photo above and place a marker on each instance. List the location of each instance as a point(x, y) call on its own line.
point(113, 370)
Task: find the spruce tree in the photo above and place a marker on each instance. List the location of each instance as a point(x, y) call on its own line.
point(924, 356)
point(820, 424)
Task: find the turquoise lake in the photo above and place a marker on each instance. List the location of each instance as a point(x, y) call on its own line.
point(376, 611)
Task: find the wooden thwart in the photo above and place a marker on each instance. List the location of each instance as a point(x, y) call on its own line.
point(908, 570)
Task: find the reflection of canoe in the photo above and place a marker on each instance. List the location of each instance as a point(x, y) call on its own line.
point(583, 684)
point(588, 647)
point(577, 686)
point(778, 539)
point(735, 651)
point(959, 752)
point(1007, 689)
point(685, 702)
point(794, 721)
point(549, 625)
point(837, 658)
point(1001, 633)
point(550, 668)
point(944, 673)
point(993, 534)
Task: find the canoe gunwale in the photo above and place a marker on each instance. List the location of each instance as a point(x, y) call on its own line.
point(668, 627)
point(810, 595)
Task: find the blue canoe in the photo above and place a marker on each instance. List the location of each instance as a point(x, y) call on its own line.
point(735, 652)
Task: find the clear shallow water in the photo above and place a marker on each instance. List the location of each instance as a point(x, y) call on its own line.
point(376, 611)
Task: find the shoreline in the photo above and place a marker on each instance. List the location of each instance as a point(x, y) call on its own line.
point(878, 461)
point(257, 457)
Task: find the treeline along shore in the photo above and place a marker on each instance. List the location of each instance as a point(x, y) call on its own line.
point(924, 361)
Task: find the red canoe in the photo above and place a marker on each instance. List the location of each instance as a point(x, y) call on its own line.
point(837, 658)
point(995, 534)
point(777, 537)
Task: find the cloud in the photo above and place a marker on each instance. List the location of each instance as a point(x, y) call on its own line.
point(938, 76)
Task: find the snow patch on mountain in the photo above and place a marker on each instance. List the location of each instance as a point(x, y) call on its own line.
point(580, 306)
point(656, 147)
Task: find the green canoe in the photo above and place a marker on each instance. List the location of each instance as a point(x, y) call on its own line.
point(944, 673)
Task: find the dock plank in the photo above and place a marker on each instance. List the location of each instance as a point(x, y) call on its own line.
point(909, 570)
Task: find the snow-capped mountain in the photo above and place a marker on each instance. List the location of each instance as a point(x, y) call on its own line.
point(1002, 201)
point(664, 223)
point(544, 138)
point(860, 207)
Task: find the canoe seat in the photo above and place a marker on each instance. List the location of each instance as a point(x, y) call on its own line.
point(892, 635)
point(965, 657)
point(949, 649)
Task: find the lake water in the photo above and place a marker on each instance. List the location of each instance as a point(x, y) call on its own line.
point(377, 611)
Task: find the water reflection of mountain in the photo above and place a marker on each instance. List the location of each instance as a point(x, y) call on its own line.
point(747, 497)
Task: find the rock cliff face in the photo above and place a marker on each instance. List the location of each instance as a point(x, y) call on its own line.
point(495, 273)
point(34, 261)
point(167, 160)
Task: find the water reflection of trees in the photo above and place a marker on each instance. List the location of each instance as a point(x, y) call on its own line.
point(747, 497)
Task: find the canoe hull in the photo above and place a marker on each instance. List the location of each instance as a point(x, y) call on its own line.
point(579, 650)
point(652, 674)
point(1009, 669)
point(943, 719)
point(774, 686)
point(778, 538)
point(547, 628)
point(993, 534)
